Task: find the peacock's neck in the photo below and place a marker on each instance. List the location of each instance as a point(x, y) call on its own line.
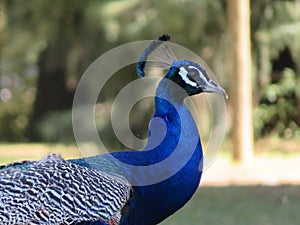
point(166, 174)
point(180, 153)
point(172, 124)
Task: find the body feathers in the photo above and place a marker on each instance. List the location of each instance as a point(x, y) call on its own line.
point(53, 191)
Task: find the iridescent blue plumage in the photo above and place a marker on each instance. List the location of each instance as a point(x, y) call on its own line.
point(166, 173)
point(180, 149)
point(152, 203)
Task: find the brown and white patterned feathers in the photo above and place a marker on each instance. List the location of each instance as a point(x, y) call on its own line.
point(53, 191)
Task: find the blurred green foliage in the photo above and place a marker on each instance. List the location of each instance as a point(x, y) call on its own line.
point(276, 113)
point(277, 65)
point(47, 42)
point(56, 127)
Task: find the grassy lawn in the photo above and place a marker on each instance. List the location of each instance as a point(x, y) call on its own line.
point(214, 205)
point(241, 205)
point(16, 152)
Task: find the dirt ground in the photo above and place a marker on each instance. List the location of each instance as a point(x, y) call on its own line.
point(276, 162)
point(276, 168)
point(263, 170)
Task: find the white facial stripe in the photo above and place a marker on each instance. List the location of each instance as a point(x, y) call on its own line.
point(183, 73)
point(200, 73)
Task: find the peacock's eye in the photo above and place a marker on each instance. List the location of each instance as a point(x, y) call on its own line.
point(191, 75)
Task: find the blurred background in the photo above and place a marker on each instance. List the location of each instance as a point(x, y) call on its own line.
point(253, 49)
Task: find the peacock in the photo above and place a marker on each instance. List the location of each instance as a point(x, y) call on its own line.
point(128, 187)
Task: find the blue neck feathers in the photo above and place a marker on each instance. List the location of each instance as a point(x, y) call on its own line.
point(167, 172)
point(179, 156)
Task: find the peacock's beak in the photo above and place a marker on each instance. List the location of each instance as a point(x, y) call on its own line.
point(213, 87)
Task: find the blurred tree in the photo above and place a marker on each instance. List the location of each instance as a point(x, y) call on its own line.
point(241, 80)
point(60, 39)
point(276, 50)
point(61, 61)
point(46, 46)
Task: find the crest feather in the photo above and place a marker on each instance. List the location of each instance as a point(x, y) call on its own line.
point(157, 55)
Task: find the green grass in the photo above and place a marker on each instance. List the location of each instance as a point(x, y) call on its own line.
point(241, 205)
point(228, 205)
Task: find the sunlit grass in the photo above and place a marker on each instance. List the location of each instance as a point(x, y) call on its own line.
point(16, 152)
point(267, 147)
point(223, 205)
point(274, 146)
point(241, 205)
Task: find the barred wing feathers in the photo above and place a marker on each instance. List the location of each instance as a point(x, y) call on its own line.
point(53, 191)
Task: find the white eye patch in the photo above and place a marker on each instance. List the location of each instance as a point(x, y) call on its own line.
point(184, 75)
point(202, 76)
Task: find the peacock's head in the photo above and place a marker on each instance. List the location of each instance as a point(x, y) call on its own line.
point(187, 74)
point(193, 78)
